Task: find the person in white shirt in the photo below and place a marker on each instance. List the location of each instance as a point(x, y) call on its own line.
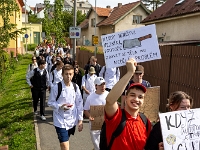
point(68, 108)
point(38, 80)
point(94, 99)
point(48, 59)
point(33, 65)
point(111, 76)
point(88, 85)
point(56, 75)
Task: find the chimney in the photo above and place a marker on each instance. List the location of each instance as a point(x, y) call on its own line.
point(108, 6)
point(119, 5)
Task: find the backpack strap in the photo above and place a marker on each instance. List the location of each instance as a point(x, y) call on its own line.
point(144, 120)
point(74, 84)
point(104, 72)
point(119, 129)
point(59, 90)
point(53, 76)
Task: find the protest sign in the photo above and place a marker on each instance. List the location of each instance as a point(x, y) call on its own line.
point(181, 129)
point(98, 113)
point(151, 103)
point(138, 43)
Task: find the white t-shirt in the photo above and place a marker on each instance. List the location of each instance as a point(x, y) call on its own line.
point(95, 99)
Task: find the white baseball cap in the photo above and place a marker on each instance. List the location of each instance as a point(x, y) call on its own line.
point(99, 81)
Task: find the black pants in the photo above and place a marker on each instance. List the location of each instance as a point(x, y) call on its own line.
point(39, 95)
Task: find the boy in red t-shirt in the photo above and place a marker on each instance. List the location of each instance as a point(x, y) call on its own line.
point(134, 134)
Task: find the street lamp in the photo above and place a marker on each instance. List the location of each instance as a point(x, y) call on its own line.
point(30, 33)
point(95, 50)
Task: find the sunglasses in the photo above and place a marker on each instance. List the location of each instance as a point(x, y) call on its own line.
point(138, 73)
point(33, 59)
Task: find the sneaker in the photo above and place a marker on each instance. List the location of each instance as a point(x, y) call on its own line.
point(43, 118)
point(35, 112)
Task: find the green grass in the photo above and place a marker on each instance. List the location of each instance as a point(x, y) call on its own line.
point(16, 113)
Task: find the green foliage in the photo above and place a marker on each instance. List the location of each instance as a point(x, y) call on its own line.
point(33, 18)
point(58, 22)
point(68, 20)
point(16, 119)
point(47, 22)
point(8, 30)
point(153, 4)
point(31, 47)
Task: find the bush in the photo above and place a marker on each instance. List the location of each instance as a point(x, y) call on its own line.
point(31, 47)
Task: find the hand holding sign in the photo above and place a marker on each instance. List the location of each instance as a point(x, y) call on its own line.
point(138, 43)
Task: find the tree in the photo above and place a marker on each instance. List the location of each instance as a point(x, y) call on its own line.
point(153, 4)
point(33, 18)
point(68, 20)
point(47, 22)
point(8, 30)
point(58, 22)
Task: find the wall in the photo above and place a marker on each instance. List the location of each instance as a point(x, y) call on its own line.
point(179, 29)
point(126, 22)
point(33, 27)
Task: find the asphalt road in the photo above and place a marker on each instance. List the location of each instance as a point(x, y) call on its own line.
point(47, 137)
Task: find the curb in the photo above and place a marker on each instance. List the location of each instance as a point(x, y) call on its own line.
point(37, 134)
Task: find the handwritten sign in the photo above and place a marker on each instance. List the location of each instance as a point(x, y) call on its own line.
point(151, 103)
point(181, 129)
point(139, 43)
point(98, 113)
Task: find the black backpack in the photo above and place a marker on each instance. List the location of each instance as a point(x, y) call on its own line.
point(103, 140)
point(60, 89)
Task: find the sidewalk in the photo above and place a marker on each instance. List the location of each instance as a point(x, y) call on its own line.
point(46, 136)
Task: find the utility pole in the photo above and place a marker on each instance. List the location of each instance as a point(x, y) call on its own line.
point(74, 24)
point(25, 26)
point(95, 26)
point(30, 34)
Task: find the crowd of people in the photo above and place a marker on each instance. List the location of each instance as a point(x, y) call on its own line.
point(72, 94)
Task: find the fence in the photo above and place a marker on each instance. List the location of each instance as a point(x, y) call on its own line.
point(177, 70)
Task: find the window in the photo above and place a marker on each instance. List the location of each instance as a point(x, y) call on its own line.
point(80, 5)
point(137, 19)
point(93, 22)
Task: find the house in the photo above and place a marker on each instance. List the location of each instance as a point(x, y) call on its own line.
point(34, 31)
point(122, 17)
point(82, 5)
point(176, 20)
point(16, 45)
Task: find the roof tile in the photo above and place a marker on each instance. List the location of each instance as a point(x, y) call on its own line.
point(117, 13)
point(171, 9)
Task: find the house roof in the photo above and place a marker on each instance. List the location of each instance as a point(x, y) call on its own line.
point(171, 9)
point(101, 12)
point(23, 10)
point(84, 24)
point(39, 10)
point(118, 13)
point(21, 2)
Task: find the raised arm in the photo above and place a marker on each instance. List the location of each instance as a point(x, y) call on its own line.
point(111, 100)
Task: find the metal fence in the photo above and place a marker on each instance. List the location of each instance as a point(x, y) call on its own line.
point(177, 70)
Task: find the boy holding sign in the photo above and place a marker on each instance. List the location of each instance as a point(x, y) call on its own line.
point(95, 99)
point(135, 133)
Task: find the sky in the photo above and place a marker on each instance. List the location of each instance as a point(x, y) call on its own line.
point(99, 3)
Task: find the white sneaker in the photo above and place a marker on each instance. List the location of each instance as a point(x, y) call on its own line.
point(35, 112)
point(43, 118)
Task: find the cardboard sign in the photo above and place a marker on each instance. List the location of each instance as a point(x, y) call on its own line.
point(150, 108)
point(98, 113)
point(138, 43)
point(181, 129)
point(151, 103)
